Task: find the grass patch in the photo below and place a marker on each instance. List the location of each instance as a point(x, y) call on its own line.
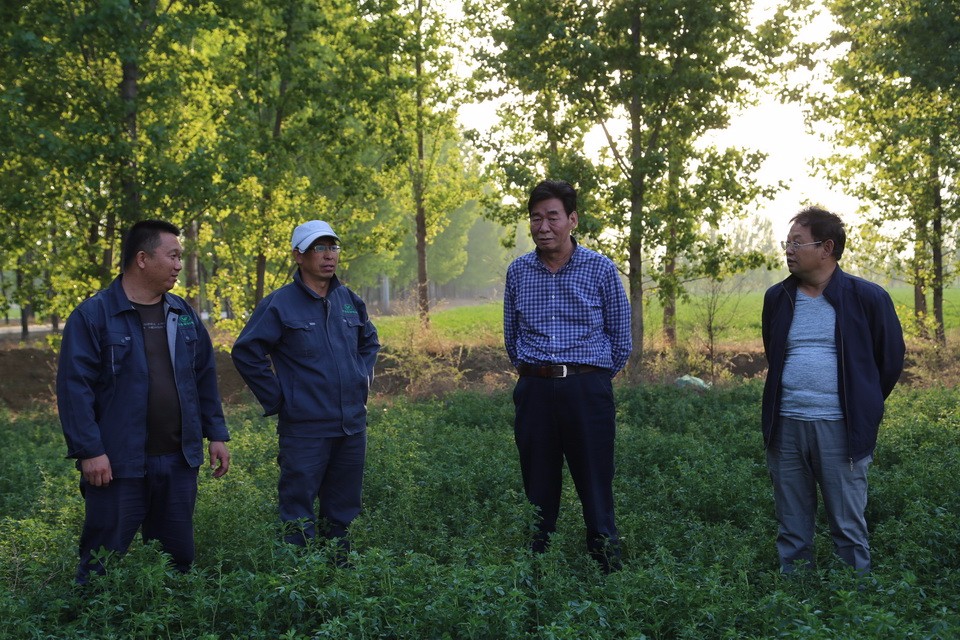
point(440, 549)
point(475, 325)
point(738, 319)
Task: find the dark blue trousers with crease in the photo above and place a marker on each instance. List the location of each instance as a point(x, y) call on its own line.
point(572, 419)
point(325, 471)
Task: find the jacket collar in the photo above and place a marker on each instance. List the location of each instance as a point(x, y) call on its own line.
point(119, 302)
point(334, 284)
point(837, 282)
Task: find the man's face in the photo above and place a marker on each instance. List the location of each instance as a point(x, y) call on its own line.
point(319, 265)
point(806, 258)
point(550, 225)
point(162, 266)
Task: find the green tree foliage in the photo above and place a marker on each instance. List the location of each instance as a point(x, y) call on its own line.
point(652, 78)
point(894, 85)
point(235, 120)
point(415, 48)
point(300, 140)
point(487, 262)
point(96, 99)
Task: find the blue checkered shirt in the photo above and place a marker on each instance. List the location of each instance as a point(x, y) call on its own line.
point(578, 315)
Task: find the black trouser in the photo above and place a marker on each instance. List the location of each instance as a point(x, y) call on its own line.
point(160, 504)
point(572, 418)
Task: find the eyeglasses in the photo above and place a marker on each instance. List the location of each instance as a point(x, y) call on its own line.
point(320, 248)
point(796, 245)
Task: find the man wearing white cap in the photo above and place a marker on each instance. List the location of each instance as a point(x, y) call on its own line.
point(316, 334)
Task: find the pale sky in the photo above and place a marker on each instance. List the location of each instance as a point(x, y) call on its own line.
point(778, 130)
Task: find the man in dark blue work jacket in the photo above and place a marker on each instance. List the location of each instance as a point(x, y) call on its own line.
point(137, 394)
point(307, 353)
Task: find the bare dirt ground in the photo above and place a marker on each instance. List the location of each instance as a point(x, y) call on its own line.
point(28, 373)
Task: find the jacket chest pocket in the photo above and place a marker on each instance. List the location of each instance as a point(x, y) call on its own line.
point(189, 335)
point(300, 337)
point(114, 352)
point(351, 326)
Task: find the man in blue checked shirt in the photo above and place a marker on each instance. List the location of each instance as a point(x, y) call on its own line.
point(566, 326)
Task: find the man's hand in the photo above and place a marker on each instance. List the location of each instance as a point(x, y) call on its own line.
point(96, 471)
point(219, 453)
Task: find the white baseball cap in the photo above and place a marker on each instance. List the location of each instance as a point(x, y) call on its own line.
point(306, 233)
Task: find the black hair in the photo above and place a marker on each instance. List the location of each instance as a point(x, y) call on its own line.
point(560, 189)
point(823, 225)
point(144, 236)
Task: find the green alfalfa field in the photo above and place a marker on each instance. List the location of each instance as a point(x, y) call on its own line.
point(440, 550)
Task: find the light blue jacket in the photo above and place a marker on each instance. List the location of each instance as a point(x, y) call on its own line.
point(102, 381)
point(322, 351)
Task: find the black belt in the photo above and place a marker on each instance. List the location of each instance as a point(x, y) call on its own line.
point(555, 370)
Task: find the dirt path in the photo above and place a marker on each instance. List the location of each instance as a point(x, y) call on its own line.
point(28, 374)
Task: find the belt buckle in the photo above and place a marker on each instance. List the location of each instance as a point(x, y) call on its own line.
point(563, 369)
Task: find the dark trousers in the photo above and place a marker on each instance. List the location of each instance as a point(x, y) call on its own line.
point(328, 470)
point(161, 503)
point(572, 418)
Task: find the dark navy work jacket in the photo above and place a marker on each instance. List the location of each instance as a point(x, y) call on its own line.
point(102, 381)
point(309, 359)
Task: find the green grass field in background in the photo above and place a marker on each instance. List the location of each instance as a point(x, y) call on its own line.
point(737, 320)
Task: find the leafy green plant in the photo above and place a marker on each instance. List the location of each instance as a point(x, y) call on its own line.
point(441, 547)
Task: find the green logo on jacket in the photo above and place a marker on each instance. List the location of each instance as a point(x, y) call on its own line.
point(185, 321)
point(349, 308)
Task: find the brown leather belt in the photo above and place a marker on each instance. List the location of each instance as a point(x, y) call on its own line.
point(555, 370)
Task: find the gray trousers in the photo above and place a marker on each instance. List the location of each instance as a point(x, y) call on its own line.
point(801, 456)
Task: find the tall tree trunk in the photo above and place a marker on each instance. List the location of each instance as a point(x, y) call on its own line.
point(129, 209)
point(129, 180)
point(107, 267)
point(919, 302)
point(192, 266)
point(384, 294)
point(261, 278)
point(936, 243)
point(670, 259)
point(3, 293)
point(423, 292)
point(635, 261)
point(635, 280)
point(290, 16)
point(24, 305)
point(670, 306)
point(635, 241)
point(941, 336)
point(919, 275)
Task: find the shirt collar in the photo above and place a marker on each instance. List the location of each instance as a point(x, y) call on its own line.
point(576, 250)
